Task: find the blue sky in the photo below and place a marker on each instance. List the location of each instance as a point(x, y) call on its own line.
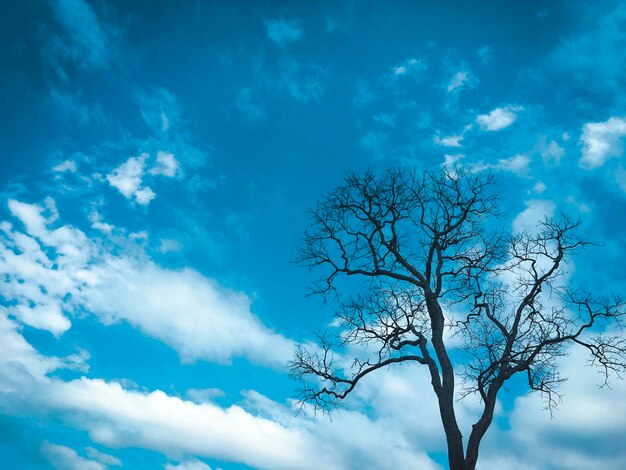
point(158, 159)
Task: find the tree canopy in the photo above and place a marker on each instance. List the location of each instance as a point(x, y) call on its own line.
point(436, 264)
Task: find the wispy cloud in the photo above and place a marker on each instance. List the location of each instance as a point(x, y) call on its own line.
point(250, 104)
point(193, 464)
point(90, 41)
point(485, 54)
point(375, 142)
point(65, 458)
point(551, 152)
point(304, 81)
point(516, 164)
point(283, 31)
point(459, 79)
point(411, 67)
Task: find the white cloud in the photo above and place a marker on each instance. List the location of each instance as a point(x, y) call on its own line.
point(264, 434)
point(449, 141)
point(196, 316)
point(203, 395)
point(128, 178)
point(601, 141)
point(551, 152)
point(410, 67)
point(18, 358)
point(168, 245)
point(516, 164)
point(64, 458)
point(283, 31)
point(457, 81)
point(539, 187)
point(167, 165)
point(116, 417)
point(34, 284)
point(165, 122)
point(498, 119)
point(65, 166)
point(587, 430)
point(260, 433)
point(101, 457)
point(97, 223)
point(188, 465)
point(52, 272)
point(451, 161)
point(536, 210)
point(144, 195)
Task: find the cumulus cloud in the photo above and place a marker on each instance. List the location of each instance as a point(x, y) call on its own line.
point(601, 141)
point(128, 180)
point(283, 31)
point(167, 165)
point(33, 282)
point(52, 272)
point(498, 118)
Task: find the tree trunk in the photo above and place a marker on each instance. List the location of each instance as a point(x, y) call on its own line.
point(479, 429)
point(445, 396)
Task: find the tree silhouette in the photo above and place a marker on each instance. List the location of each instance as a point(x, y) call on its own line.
point(429, 245)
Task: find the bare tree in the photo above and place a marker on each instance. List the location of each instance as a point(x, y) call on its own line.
point(425, 246)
